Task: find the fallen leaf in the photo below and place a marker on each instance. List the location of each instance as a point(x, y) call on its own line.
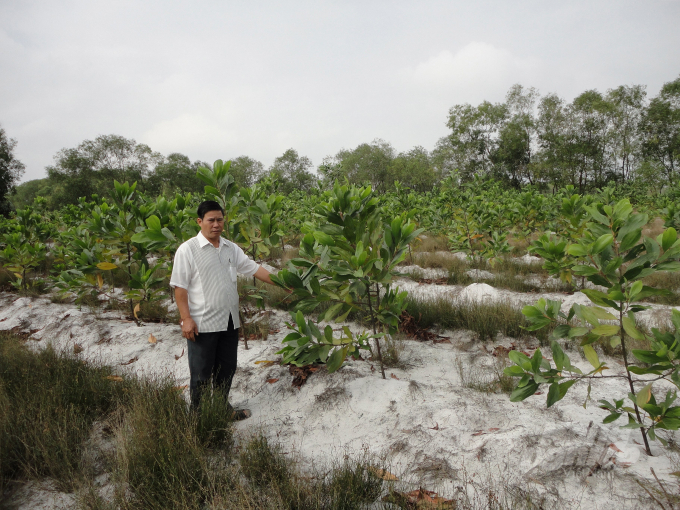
point(436, 427)
point(479, 433)
point(100, 280)
point(136, 310)
point(77, 349)
point(494, 429)
point(615, 448)
point(394, 377)
point(675, 473)
point(130, 361)
point(265, 362)
point(152, 339)
point(272, 381)
point(116, 378)
point(383, 474)
point(178, 357)
point(180, 388)
point(419, 498)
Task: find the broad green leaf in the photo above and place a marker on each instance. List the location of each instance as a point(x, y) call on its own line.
point(336, 359)
point(591, 356)
point(668, 238)
point(612, 417)
point(576, 250)
point(644, 395)
point(106, 266)
point(602, 243)
point(606, 330)
point(629, 327)
point(524, 392)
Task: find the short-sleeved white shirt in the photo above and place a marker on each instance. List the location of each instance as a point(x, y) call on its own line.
point(209, 276)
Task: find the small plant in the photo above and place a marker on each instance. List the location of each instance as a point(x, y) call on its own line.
point(612, 254)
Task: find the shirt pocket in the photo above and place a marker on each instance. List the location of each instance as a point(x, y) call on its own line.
point(232, 273)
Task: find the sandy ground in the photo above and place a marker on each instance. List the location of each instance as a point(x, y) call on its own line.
point(433, 431)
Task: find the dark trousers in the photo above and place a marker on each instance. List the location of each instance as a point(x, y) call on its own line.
point(212, 357)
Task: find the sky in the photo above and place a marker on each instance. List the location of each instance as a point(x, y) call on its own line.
point(225, 78)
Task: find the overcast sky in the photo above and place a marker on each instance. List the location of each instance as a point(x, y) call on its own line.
point(219, 79)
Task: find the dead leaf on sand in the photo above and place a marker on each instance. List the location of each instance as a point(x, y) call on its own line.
point(130, 361)
point(394, 377)
point(116, 378)
point(272, 381)
point(77, 348)
point(436, 427)
point(137, 307)
point(420, 498)
point(615, 448)
point(178, 357)
point(152, 339)
point(180, 388)
point(383, 474)
point(300, 374)
point(266, 362)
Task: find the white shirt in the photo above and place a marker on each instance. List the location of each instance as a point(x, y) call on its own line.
point(209, 276)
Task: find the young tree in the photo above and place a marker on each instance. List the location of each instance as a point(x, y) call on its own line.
point(11, 170)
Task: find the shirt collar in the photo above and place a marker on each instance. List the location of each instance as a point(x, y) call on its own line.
point(202, 240)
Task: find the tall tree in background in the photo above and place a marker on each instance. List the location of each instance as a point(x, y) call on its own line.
point(11, 170)
point(94, 164)
point(291, 171)
point(246, 171)
point(175, 173)
point(660, 127)
point(368, 163)
point(627, 107)
point(414, 169)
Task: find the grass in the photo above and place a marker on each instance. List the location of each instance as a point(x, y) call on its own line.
point(429, 243)
point(392, 349)
point(162, 455)
point(487, 381)
point(485, 319)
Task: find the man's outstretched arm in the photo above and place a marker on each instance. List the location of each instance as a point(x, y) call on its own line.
point(263, 275)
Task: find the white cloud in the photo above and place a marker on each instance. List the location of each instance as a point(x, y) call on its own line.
point(475, 72)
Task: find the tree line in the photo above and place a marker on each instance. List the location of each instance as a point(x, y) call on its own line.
point(619, 137)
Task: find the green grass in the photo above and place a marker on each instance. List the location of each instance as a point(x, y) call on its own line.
point(164, 455)
point(485, 319)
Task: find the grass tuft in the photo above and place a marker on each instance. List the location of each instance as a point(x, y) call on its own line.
point(485, 319)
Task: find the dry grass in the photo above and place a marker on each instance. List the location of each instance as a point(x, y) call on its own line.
point(427, 243)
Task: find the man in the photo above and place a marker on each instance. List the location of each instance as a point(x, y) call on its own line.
point(204, 279)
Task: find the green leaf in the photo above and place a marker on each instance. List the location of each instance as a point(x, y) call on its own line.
point(336, 359)
point(606, 330)
point(612, 417)
point(561, 360)
point(629, 327)
point(644, 395)
point(524, 392)
point(576, 250)
point(669, 237)
point(591, 356)
point(602, 243)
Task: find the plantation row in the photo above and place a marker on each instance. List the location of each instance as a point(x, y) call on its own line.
point(350, 244)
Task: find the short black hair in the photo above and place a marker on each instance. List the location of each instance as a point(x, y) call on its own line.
point(207, 206)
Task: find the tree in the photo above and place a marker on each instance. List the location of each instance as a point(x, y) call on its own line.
point(292, 172)
point(246, 171)
point(628, 105)
point(369, 163)
point(660, 126)
point(413, 169)
point(11, 170)
point(94, 164)
point(175, 173)
point(474, 137)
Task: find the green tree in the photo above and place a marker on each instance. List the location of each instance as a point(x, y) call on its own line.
point(292, 172)
point(175, 173)
point(413, 169)
point(246, 171)
point(11, 170)
point(368, 163)
point(90, 167)
point(628, 105)
point(660, 128)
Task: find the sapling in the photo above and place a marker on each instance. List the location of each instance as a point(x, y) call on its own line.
point(611, 254)
point(349, 264)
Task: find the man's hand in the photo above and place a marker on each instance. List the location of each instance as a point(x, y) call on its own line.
point(189, 329)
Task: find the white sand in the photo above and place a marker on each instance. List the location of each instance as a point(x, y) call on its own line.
point(433, 430)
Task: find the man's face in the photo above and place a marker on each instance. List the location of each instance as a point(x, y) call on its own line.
point(212, 225)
